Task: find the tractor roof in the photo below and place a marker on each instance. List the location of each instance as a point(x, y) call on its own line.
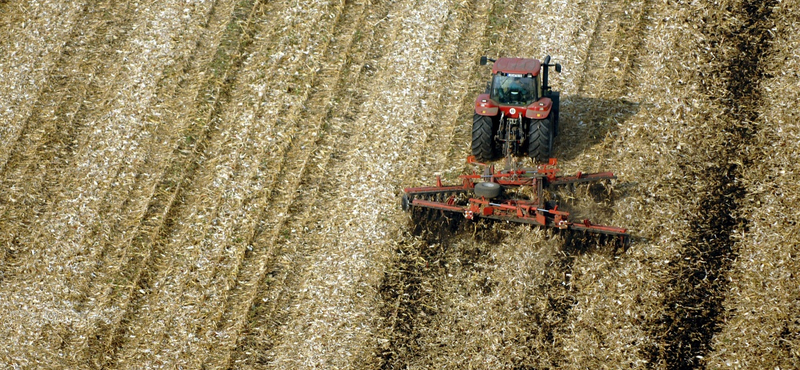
point(517, 65)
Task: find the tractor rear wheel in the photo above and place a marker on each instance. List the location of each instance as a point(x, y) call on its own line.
point(540, 139)
point(482, 137)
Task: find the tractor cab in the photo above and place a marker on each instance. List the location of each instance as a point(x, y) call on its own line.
point(514, 89)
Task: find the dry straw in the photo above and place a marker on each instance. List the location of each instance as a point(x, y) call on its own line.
point(217, 186)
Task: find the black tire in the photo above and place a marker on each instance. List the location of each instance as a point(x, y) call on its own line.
point(482, 137)
point(540, 139)
point(555, 96)
point(488, 190)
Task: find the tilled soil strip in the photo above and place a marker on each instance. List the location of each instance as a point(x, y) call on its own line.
point(740, 34)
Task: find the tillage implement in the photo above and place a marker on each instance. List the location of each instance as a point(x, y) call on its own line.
point(514, 195)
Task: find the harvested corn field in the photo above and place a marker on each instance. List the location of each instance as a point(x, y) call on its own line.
point(215, 184)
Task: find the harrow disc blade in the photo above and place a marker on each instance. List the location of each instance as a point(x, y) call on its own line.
point(405, 203)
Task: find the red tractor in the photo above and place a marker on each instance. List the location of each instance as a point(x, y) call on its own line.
point(518, 113)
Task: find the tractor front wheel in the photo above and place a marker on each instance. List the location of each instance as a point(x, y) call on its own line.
point(482, 137)
point(540, 139)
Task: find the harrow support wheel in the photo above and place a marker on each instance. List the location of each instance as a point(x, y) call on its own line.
point(482, 141)
point(540, 139)
point(488, 190)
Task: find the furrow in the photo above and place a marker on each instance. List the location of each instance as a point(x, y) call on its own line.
point(118, 198)
point(35, 128)
point(275, 212)
point(36, 35)
point(240, 176)
point(141, 266)
point(75, 212)
point(145, 205)
point(267, 308)
point(33, 174)
point(45, 239)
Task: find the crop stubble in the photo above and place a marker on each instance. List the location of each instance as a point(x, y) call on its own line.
point(41, 153)
point(286, 208)
point(761, 325)
point(262, 232)
point(243, 177)
point(71, 224)
point(35, 36)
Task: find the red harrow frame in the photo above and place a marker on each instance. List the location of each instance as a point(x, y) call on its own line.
point(463, 200)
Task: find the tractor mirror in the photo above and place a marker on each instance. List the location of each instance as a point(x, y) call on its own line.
point(483, 60)
point(558, 68)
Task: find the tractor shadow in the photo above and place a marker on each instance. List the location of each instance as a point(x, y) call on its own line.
point(585, 122)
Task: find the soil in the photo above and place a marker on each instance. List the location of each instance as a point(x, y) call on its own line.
point(216, 184)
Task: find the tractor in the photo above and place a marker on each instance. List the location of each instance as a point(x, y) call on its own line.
point(518, 112)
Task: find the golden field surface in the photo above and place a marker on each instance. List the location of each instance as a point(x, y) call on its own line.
point(215, 184)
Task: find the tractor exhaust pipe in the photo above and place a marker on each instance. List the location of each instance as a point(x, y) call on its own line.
point(545, 69)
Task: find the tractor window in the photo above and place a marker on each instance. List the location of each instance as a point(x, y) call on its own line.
point(514, 89)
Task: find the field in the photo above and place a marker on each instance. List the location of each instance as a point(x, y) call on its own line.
point(215, 184)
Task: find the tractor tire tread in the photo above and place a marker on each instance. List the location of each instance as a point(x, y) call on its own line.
point(539, 140)
point(482, 147)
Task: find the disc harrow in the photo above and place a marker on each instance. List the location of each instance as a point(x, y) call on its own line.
point(505, 204)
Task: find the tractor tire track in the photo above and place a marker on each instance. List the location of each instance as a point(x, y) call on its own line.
point(122, 255)
point(244, 196)
point(614, 44)
point(141, 268)
point(34, 169)
point(626, 42)
point(37, 35)
point(602, 24)
point(619, 31)
point(264, 245)
point(313, 309)
point(267, 309)
point(693, 311)
point(624, 60)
